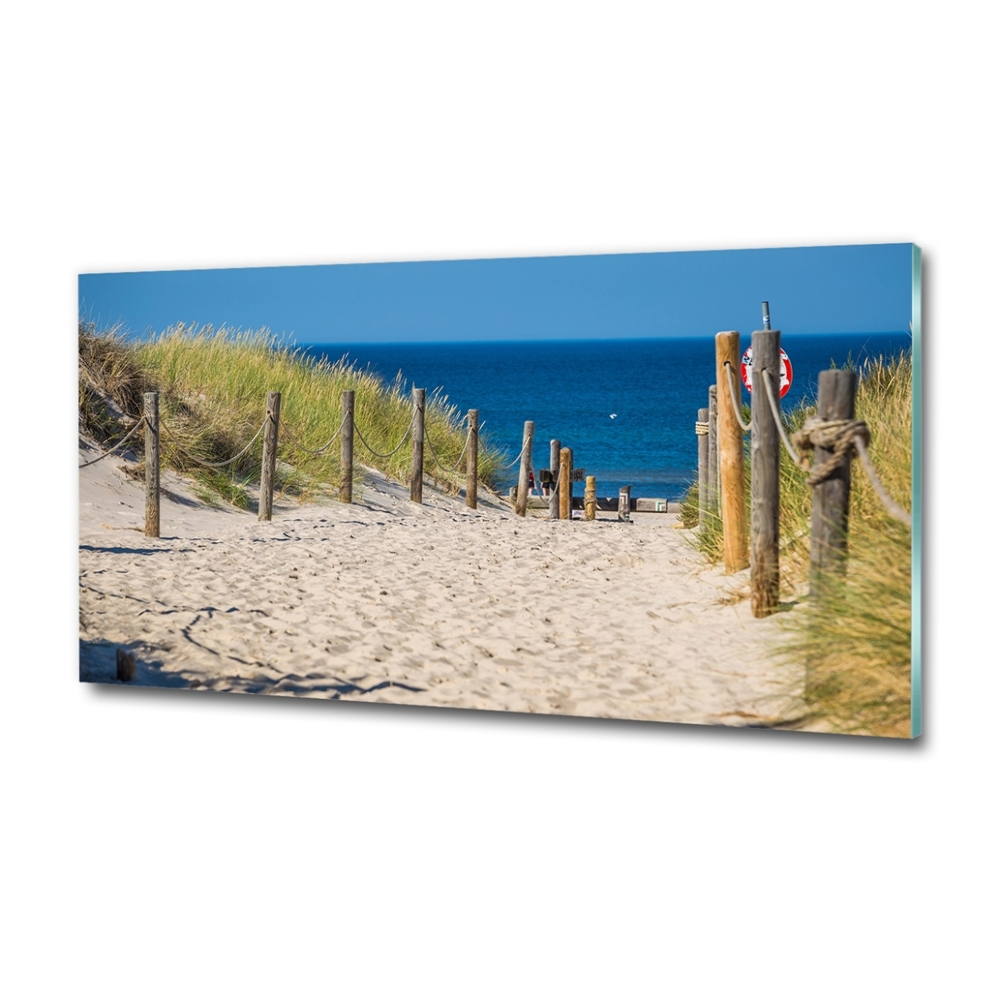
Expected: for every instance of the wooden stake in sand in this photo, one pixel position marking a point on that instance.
(701, 430)
(417, 466)
(831, 500)
(554, 448)
(151, 411)
(269, 459)
(764, 456)
(124, 665)
(713, 449)
(565, 466)
(590, 499)
(472, 462)
(732, 486)
(521, 508)
(625, 503)
(347, 446)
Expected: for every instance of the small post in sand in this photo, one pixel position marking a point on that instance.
(831, 500)
(417, 466)
(269, 459)
(701, 429)
(347, 446)
(713, 449)
(625, 503)
(151, 413)
(569, 488)
(554, 448)
(590, 499)
(472, 462)
(521, 508)
(732, 485)
(764, 458)
(565, 465)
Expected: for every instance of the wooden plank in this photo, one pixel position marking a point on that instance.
(417, 462)
(520, 508)
(269, 458)
(151, 411)
(831, 500)
(472, 462)
(732, 486)
(347, 446)
(764, 456)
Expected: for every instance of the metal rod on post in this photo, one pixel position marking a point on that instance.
(151, 412)
(521, 508)
(713, 449)
(702, 432)
(764, 489)
(554, 448)
(732, 485)
(831, 499)
(472, 462)
(417, 466)
(269, 458)
(765, 309)
(347, 446)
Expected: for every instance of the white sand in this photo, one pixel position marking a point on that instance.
(384, 600)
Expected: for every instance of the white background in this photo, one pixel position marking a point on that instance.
(168, 844)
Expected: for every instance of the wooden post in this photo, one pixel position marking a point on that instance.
(625, 503)
(151, 411)
(124, 665)
(702, 433)
(565, 512)
(554, 466)
(764, 457)
(269, 459)
(521, 508)
(713, 449)
(569, 488)
(417, 466)
(831, 499)
(732, 486)
(347, 446)
(590, 499)
(472, 462)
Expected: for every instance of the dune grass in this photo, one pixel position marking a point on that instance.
(855, 642)
(213, 386)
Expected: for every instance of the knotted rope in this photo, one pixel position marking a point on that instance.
(701, 427)
(836, 436)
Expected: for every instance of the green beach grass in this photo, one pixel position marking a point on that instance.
(855, 644)
(213, 385)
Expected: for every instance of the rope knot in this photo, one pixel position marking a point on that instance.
(832, 435)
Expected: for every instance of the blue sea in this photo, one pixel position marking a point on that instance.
(626, 407)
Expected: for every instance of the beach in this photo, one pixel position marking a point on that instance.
(385, 600)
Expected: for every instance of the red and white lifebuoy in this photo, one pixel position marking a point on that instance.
(786, 371)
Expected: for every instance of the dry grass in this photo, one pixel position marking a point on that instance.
(213, 385)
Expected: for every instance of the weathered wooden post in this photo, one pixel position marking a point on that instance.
(151, 412)
(269, 458)
(521, 508)
(831, 498)
(417, 465)
(554, 467)
(701, 429)
(764, 457)
(569, 488)
(565, 511)
(625, 503)
(124, 665)
(732, 486)
(472, 462)
(713, 449)
(347, 446)
(590, 499)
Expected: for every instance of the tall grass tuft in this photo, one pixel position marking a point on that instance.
(213, 385)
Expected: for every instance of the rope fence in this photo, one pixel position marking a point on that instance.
(141, 422)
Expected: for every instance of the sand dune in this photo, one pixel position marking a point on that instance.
(384, 600)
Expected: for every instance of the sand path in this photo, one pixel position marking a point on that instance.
(388, 601)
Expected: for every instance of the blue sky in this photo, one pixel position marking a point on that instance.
(847, 289)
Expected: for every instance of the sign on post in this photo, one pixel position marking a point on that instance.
(786, 371)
